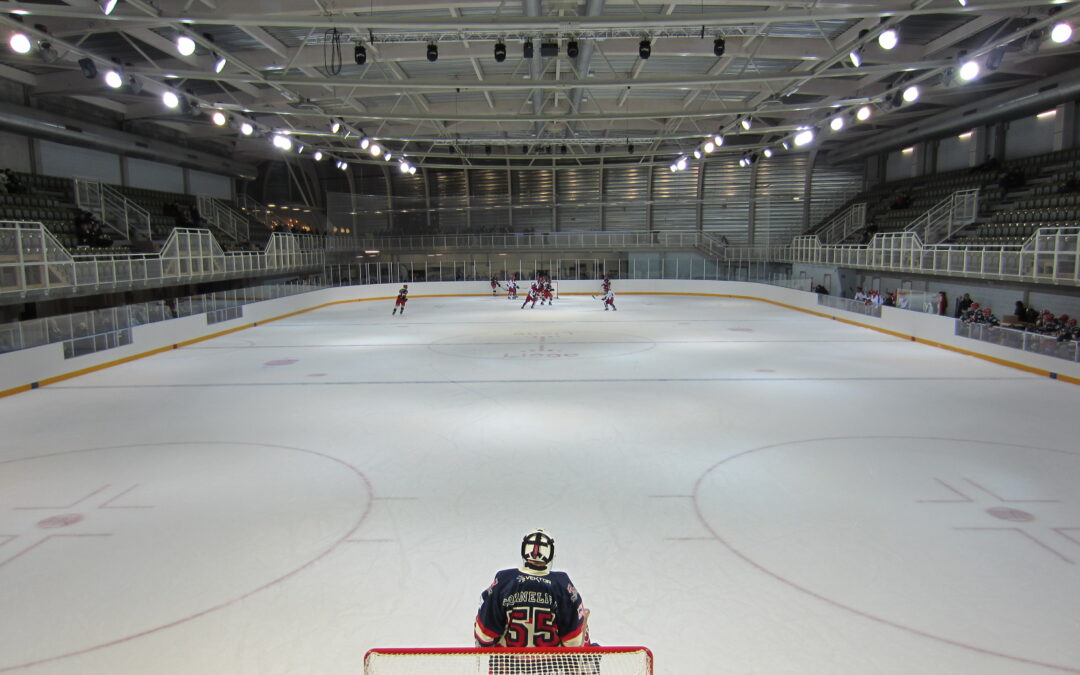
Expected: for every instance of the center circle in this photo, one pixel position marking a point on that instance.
(885, 527)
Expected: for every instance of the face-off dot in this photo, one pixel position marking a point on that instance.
(281, 362)
(1011, 515)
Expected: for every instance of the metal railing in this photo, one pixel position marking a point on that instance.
(1049, 256)
(260, 212)
(947, 217)
(851, 220)
(221, 217)
(116, 211)
(33, 262)
(1036, 343)
(541, 241)
(93, 331)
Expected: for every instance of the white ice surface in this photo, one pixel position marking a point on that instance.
(740, 487)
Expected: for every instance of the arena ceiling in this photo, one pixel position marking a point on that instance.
(650, 81)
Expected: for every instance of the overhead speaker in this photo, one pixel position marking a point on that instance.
(572, 49)
(500, 52)
(549, 49)
(88, 68)
(527, 49)
(718, 46)
(360, 54)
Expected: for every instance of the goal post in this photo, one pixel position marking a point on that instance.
(510, 661)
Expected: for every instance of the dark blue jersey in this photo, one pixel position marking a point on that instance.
(522, 609)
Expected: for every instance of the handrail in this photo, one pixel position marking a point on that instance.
(32, 261)
(851, 220)
(947, 217)
(116, 211)
(221, 217)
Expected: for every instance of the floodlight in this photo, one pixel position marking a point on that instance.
(318, 155)
(114, 79)
(911, 94)
(107, 6)
(170, 99)
(889, 39)
(837, 123)
(969, 71)
(20, 43)
(803, 137)
(219, 118)
(185, 45)
(219, 65)
(246, 128)
(1061, 32)
(500, 52)
(863, 113)
(282, 142)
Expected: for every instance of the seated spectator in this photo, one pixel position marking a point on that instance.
(821, 290)
(1070, 331)
(986, 317)
(1046, 322)
(859, 294)
(969, 315)
(14, 183)
(889, 300)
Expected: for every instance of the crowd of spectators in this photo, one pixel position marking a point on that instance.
(873, 297)
(1026, 318)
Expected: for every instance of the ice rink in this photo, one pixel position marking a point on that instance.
(741, 487)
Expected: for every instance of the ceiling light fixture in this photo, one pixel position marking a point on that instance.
(718, 47)
(219, 118)
(246, 128)
(432, 52)
(282, 142)
(837, 123)
(969, 71)
(804, 137)
(219, 65)
(170, 100)
(1061, 32)
(318, 155)
(500, 51)
(911, 94)
(863, 113)
(114, 79)
(107, 6)
(360, 54)
(20, 43)
(855, 57)
(185, 46)
(644, 49)
(888, 39)
(746, 123)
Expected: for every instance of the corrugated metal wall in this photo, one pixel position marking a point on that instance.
(578, 199)
(617, 196)
(726, 199)
(778, 199)
(831, 186)
(626, 197)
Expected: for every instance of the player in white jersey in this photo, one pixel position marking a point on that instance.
(609, 299)
(511, 288)
(531, 297)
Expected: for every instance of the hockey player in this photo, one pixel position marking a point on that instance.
(546, 294)
(533, 605)
(511, 288)
(531, 297)
(494, 284)
(609, 300)
(605, 285)
(402, 298)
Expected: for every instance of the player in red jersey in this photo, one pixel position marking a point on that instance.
(402, 298)
(546, 295)
(494, 284)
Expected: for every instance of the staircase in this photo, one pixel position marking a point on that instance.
(219, 217)
(851, 220)
(114, 210)
(947, 217)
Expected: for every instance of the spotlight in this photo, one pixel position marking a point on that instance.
(282, 142)
(803, 137)
(572, 49)
(219, 118)
(969, 71)
(718, 47)
(170, 100)
(246, 128)
(1061, 32)
(527, 49)
(388, 156)
(114, 79)
(89, 70)
(889, 39)
(318, 155)
(107, 6)
(855, 57)
(375, 150)
(718, 139)
(360, 54)
(863, 113)
(837, 123)
(745, 123)
(767, 152)
(785, 145)
(219, 65)
(433, 52)
(344, 166)
(963, 3)
(709, 147)
(403, 167)
(644, 49)
(335, 126)
(500, 52)
(20, 43)
(185, 45)
(911, 94)
(681, 164)
(364, 143)
(412, 170)
(697, 153)
(673, 168)
(742, 162)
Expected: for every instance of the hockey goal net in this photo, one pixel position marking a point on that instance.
(507, 661)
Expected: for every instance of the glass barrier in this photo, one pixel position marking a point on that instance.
(848, 305)
(89, 332)
(1036, 343)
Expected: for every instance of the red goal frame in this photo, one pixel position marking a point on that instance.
(530, 651)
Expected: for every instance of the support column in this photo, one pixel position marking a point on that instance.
(700, 216)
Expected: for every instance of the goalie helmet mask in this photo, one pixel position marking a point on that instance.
(538, 550)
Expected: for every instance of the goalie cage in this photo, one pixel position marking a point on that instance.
(510, 661)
